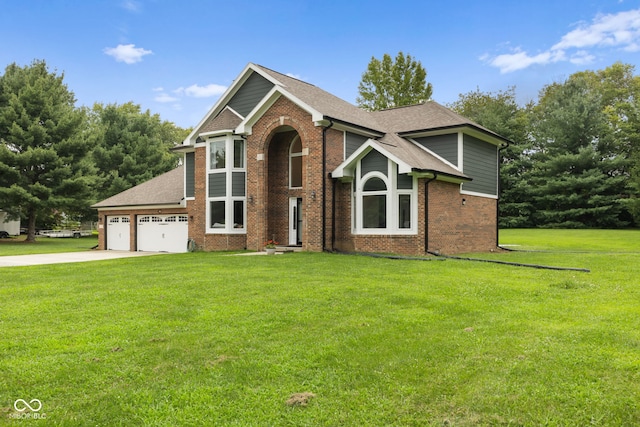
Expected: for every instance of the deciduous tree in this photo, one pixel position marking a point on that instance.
(130, 146)
(388, 83)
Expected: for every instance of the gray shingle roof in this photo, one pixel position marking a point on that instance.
(165, 189)
(223, 121)
(391, 123)
(417, 157)
(324, 102)
(423, 117)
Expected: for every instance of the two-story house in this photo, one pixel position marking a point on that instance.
(279, 158)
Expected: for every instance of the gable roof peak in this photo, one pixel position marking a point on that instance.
(275, 75)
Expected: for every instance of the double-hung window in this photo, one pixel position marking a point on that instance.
(226, 185)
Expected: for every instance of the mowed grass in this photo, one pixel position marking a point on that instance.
(213, 339)
(45, 245)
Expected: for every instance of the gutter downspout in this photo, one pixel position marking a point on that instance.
(426, 212)
(498, 200)
(333, 215)
(324, 185)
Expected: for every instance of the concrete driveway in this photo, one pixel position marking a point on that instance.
(39, 259)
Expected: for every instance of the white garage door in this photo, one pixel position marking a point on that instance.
(163, 233)
(118, 233)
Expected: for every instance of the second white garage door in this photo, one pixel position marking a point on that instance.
(163, 233)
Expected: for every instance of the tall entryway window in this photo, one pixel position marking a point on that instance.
(295, 163)
(295, 221)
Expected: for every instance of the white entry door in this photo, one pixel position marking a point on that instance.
(295, 221)
(163, 233)
(118, 231)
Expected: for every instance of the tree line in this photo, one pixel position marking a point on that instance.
(575, 157)
(575, 160)
(57, 159)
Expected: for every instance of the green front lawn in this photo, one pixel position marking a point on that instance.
(46, 245)
(212, 339)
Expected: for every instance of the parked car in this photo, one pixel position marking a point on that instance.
(4, 235)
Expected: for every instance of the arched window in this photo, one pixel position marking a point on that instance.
(374, 203)
(384, 200)
(295, 163)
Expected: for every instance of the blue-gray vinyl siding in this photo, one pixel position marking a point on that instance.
(405, 182)
(237, 184)
(190, 175)
(218, 184)
(445, 146)
(481, 164)
(352, 141)
(373, 161)
(250, 94)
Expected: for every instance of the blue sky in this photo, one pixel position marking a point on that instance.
(175, 58)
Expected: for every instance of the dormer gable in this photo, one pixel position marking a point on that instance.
(225, 122)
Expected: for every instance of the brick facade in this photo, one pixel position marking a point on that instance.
(268, 176)
(454, 227)
(455, 222)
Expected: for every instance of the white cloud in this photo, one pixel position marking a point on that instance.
(197, 91)
(519, 60)
(127, 53)
(193, 91)
(131, 5)
(582, 57)
(165, 98)
(620, 30)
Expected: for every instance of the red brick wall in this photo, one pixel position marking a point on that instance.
(197, 207)
(404, 244)
(456, 228)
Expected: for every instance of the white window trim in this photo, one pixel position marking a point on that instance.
(393, 202)
(228, 199)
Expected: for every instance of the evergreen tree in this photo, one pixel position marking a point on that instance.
(43, 156)
(571, 181)
(131, 146)
(389, 83)
(619, 144)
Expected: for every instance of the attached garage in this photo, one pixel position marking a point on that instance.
(118, 232)
(158, 212)
(162, 233)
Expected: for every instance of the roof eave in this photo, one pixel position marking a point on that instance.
(442, 176)
(351, 127)
(494, 137)
(165, 205)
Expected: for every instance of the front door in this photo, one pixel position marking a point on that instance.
(295, 221)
